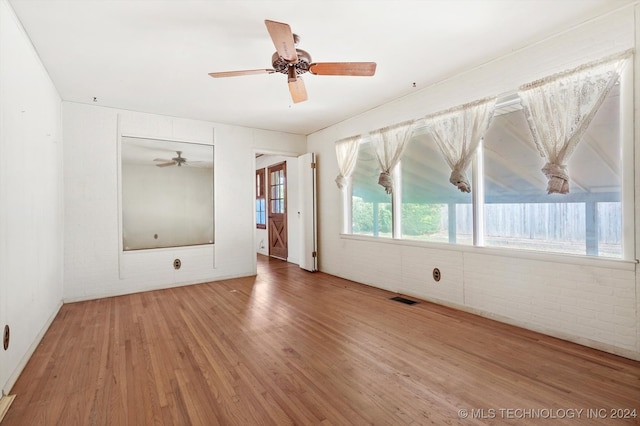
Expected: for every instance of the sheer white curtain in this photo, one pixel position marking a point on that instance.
(347, 155)
(559, 109)
(458, 132)
(389, 144)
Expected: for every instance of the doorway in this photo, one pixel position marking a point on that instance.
(295, 202)
(277, 211)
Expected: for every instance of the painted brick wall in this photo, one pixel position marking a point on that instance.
(417, 274)
(584, 301)
(589, 301)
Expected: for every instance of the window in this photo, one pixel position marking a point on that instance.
(509, 206)
(520, 214)
(371, 205)
(277, 185)
(261, 217)
(432, 209)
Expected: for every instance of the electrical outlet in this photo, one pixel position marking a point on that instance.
(436, 274)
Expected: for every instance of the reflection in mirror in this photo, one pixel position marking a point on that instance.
(167, 194)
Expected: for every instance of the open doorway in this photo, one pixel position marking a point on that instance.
(285, 204)
(277, 205)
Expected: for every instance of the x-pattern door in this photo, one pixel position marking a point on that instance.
(278, 211)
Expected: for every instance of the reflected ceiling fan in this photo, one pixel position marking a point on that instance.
(290, 60)
(175, 161)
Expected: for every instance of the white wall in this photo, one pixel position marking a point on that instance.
(590, 301)
(94, 265)
(31, 210)
(294, 226)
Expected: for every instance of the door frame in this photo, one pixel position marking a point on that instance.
(267, 152)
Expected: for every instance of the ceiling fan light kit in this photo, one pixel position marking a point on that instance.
(293, 62)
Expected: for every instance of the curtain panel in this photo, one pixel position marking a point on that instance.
(559, 109)
(389, 144)
(457, 132)
(347, 156)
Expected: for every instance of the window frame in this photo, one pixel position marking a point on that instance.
(261, 197)
(626, 123)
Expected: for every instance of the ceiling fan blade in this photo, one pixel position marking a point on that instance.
(298, 90)
(343, 68)
(170, 163)
(238, 73)
(282, 39)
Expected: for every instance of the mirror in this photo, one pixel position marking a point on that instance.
(167, 193)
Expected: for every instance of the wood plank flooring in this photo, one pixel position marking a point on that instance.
(289, 347)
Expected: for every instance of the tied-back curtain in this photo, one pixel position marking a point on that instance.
(559, 109)
(389, 144)
(347, 155)
(458, 132)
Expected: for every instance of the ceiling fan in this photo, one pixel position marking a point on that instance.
(290, 60)
(175, 161)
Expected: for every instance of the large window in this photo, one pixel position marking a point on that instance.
(508, 206)
(519, 213)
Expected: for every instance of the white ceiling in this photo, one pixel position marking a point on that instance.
(155, 55)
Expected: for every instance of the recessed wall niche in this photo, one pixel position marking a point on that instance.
(167, 193)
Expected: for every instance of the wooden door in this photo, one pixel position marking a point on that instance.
(278, 211)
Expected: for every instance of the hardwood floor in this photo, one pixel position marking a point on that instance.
(292, 347)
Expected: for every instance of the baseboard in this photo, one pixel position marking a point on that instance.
(125, 292)
(32, 348)
(5, 403)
